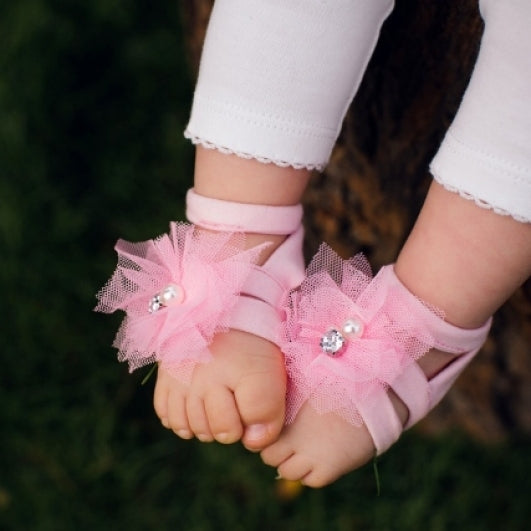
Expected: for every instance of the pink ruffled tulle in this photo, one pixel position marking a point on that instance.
(394, 336)
(209, 270)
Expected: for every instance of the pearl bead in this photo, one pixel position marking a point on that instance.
(353, 328)
(171, 294)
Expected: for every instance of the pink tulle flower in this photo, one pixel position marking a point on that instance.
(347, 335)
(177, 292)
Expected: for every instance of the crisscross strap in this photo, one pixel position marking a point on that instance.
(257, 310)
(217, 214)
(411, 386)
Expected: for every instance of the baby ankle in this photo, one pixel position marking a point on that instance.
(274, 241)
(435, 361)
(399, 406)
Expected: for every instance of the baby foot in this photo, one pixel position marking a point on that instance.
(352, 344)
(203, 302)
(316, 449)
(239, 394)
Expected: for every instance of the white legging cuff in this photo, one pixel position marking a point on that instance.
(276, 77)
(486, 154)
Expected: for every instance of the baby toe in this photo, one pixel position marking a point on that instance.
(295, 468)
(293, 464)
(160, 405)
(262, 408)
(223, 416)
(197, 419)
(276, 454)
(168, 400)
(177, 418)
(318, 478)
(260, 398)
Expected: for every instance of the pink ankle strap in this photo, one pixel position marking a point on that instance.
(257, 310)
(412, 387)
(447, 337)
(420, 395)
(220, 215)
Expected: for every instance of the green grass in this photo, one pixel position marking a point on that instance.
(93, 100)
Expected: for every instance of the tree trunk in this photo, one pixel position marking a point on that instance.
(371, 192)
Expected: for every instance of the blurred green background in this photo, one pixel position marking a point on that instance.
(94, 97)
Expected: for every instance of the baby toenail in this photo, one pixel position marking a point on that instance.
(184, 434)
(255, 432)
(203, 438)
(222, 437)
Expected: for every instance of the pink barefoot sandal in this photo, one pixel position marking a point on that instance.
(182, 288)
(348, 338)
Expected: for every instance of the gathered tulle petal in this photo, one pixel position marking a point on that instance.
(393, 335)
(207, 269)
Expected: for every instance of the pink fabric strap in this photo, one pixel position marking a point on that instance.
(284, 270)
(257, 310)
(381, 420)
(217, 214)
(411, 386)
(447, 337)
(256, 317)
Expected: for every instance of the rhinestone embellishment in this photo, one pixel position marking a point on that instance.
(332, 342)
(171, 294)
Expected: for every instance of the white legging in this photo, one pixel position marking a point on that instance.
(277, 77)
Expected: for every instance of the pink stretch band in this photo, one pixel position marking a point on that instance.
(380, 417)
(448, 337)
(412, 387)
(217, 214)
(266, 286)
(257, 311)
(256, 317)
